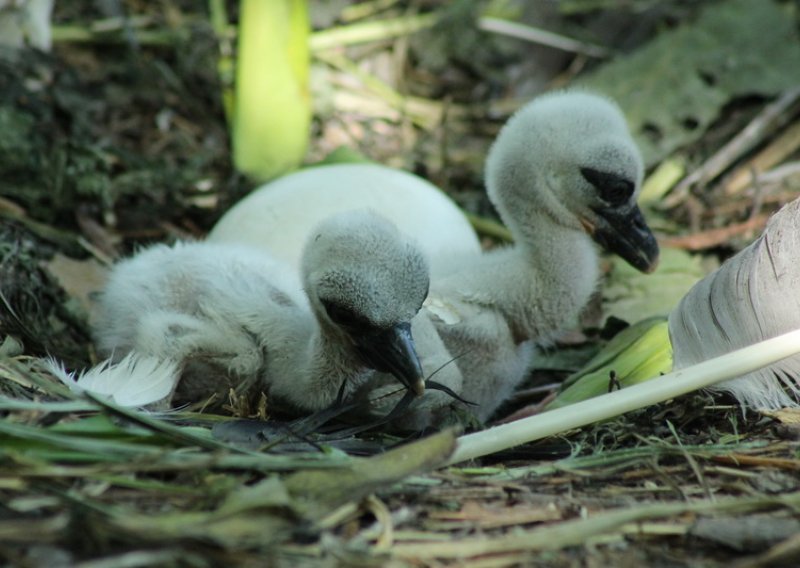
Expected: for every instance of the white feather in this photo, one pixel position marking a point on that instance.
(753, 296)
(133, 382)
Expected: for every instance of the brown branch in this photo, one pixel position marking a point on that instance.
(715, 237)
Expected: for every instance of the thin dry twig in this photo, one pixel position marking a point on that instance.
(715, 237)
(750, 173)
(773, 116)
(542, 37)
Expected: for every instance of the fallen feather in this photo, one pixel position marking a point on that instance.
(133, 382)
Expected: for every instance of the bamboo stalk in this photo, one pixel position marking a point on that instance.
(607, 406)
(272, 104)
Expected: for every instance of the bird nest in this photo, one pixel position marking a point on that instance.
(118, 138)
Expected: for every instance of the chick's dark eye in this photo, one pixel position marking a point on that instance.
(343, 316)
(613, 189)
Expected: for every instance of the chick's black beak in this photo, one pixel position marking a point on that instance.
(623, 231)
(392, 351)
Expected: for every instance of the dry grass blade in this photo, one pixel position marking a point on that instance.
(577, 532)
(544, 37)
(178, 434)
(752, 172)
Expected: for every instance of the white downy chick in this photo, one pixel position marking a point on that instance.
(233, 317)
(564, 174)
(278, 216)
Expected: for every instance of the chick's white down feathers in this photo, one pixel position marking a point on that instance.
(278, 216)
(233, 317)
(485, 310)
(510, 299)
(488, 310)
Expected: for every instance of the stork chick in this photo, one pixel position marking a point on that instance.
(564, 175)
(232, 316)
(278, 216)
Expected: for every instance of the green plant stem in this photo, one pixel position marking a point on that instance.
(365, 9)
(341, 36)
(84, 34)
(370, 31)
(226, 66)
(607, 406)
(490, 228)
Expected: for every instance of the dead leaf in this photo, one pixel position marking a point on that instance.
(79, 278)
(745, 534)
(784, 415)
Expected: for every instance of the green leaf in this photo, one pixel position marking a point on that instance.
(343, 155)
(673, 88)
(317, 493)
(270, 493)
(631, 296)
(639, 353)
